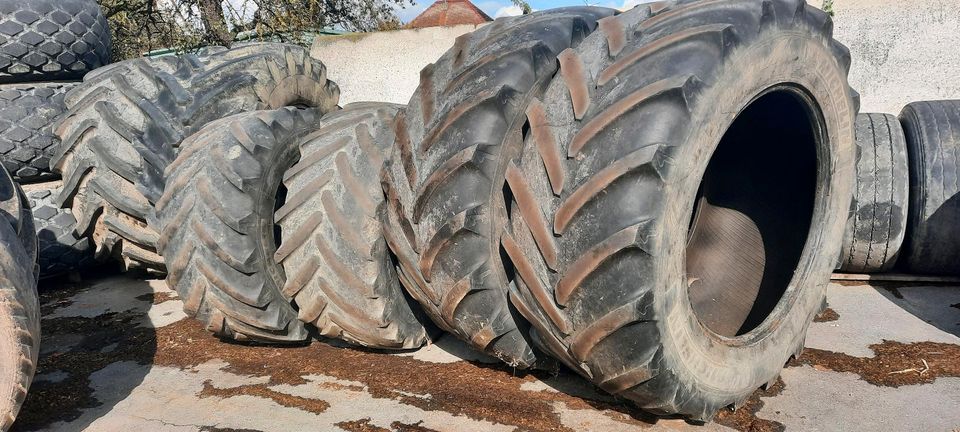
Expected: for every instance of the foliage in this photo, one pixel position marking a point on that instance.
(524, 6)
(828, 6)
(140, 26)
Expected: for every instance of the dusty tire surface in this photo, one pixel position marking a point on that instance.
(46, 40)
(19, 304)
(878, 219)
(27, 140)
(444, 185)
(630, 220)
(217, 231)
(59, 249)
(339, 271)
(932, 130)
(125, 123)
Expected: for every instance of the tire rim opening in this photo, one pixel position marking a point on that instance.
(753, 213)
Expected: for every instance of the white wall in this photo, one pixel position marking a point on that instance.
(903, 50)
(383, 66)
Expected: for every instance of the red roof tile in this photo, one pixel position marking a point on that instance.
(447, 13)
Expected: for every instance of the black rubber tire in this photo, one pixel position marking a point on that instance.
(125, 122)
(608, 179)
(446, 206)
(339, 272)
(932, 130)
(27, 139)
(60, 250)
(217, 231)
(878, 217)
(19, 304)
(50, 40)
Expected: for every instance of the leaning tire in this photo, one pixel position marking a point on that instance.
(217, 231)
(59, 250)
(630, 220)
(19, 306)
(878, 218)
(339, 272)
(933, 226)
(47, 40)
(447, 206)
(27, 139)
(124, 125)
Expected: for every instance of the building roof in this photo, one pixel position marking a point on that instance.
(447, 13)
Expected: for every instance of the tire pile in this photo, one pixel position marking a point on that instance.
(654, 198)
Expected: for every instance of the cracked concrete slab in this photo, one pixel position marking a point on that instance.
(132, 390)
(870, 315)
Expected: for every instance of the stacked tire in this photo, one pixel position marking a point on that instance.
(562, 186)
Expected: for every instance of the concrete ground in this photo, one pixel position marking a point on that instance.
(118, 355)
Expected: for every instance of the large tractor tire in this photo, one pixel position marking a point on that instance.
(217, 231)
(59, 250)
(19, 305)
(27, 140)
(446, 205)
(340, 275)
(933, 225)
(47, 40)
(681, 198)
(125, 123)
(878, 217)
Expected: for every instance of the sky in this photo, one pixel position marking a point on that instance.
(498, 8)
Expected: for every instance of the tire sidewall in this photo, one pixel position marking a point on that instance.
(698, 357)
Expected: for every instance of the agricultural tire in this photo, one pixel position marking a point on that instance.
(681, 198)
(19, 305)
(446, 205)
(878, 217)
(27, 140)
(339, 271)
(60, 250)
(50, 40)
(932, 129)
(124, 126)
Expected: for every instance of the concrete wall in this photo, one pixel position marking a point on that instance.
(903, 50)
(383, 66)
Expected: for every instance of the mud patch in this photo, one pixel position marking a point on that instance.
(50, 402)
(826, 315)
(259, 390)
(894, 364)
(157, 297)
(745, 418)
(476, 390)
(362, 425)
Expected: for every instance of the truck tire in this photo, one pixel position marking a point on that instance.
(59, 250)
(19, 305)
(27, 139)
(932, 130)
(630, 223)
(50, 40)
(217, 232)
(339, 272)
(878, 218)
(446, 205)
(123, 127)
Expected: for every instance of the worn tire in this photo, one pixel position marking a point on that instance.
(932, 131)
(124, 125)
(606, 197)
(878, 217)
(217, 232)
(60, 250)
(339, 272)
(19, 305)
(47, 40)
(27, 139)
(446, 206)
